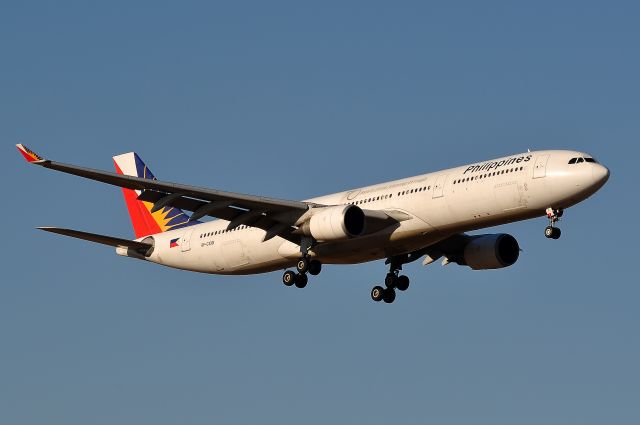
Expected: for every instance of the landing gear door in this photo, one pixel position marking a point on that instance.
(540, 168)
(438, 187)
(186, 240)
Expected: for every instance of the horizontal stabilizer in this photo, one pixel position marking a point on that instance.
(105, 240)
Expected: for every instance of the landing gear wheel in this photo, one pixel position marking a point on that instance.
(403, 283)
(288, 278)
(301, 280)
(552, 232)
(389, 295)
(315, 267)
(377, 293)
(303, 265)
(548, 232)
(391, 280)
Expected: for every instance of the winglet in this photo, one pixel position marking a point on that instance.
(28, 154)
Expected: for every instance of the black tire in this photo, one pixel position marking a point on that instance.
(301, 280)
(302, 265)
(389, 295)
(288, 278)
(391, 280)
(548, 232)
(403, 283)
(377, 293)
(315, 267)
(556, 233)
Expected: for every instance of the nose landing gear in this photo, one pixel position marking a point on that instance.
(551, 231)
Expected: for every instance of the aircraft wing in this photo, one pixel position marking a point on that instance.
(276, 216)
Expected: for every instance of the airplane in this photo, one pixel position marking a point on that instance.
(426, 216)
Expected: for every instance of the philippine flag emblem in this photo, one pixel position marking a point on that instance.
(173, 243)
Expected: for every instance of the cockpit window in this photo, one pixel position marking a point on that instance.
(573, 160)
(590, 160)
(580, 160)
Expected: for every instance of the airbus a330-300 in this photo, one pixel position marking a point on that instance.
(423, 217)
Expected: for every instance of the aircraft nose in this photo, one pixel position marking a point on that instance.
(600, 174)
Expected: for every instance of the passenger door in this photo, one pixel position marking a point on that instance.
(540, 168)
(186, 240)
(438, 187)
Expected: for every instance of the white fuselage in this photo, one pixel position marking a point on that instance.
(434, 206)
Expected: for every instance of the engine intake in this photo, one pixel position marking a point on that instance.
(491, 252)
(335, 223)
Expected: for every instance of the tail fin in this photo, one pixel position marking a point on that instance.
(144, 221)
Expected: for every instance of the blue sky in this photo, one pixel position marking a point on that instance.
(293, 100)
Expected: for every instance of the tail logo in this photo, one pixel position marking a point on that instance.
(174, 243)
(28, 154)
(144, 221)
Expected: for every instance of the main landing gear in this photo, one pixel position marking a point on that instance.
(551, 231)
(392, 282)
(303, 266)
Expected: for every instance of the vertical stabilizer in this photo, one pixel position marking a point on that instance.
(144, 221)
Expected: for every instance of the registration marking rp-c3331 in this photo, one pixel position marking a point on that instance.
(422, 217)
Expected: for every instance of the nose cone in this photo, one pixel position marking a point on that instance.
(600, 175)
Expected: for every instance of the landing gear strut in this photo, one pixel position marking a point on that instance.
(392, 282)
(551, 231)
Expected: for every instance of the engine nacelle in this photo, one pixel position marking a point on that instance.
(335, 223)
(491, 252)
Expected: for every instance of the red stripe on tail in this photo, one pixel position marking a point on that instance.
(143, 223)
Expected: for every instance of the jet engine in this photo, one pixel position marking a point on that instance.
(491, 252)
(335, 223)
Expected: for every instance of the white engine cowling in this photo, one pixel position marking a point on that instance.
(491, 252)
(335, 223)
